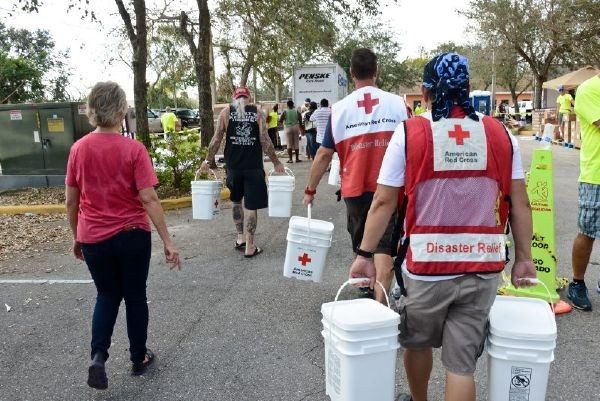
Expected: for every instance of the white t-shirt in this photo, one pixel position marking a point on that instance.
(392, 175)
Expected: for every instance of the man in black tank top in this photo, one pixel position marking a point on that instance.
(246, 138)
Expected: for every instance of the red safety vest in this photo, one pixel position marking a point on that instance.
(458, 180)
(362, 125)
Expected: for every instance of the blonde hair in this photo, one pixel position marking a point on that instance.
(106, 105)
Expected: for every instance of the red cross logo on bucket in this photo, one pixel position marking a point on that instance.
(217, 203)
(304, 259)
(459, 135)
(368, 103)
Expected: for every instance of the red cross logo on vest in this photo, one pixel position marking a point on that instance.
(304, 259)
(368, 103)
(458, 134)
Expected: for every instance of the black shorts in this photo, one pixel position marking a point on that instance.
(357, 217)
(249, 185)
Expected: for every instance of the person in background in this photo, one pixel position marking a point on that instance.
(290, 118)
(450, 284)
(564, 102)
(310, 130)
(168, 121)
(360, 128)
(305, 105)
(419, 109)
(587, 108)
(246, 140)
(321, 117)
(272, 124)
(109, 196)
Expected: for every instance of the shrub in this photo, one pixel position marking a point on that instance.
(177, 157)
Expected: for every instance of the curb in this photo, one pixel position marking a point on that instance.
(167, 204)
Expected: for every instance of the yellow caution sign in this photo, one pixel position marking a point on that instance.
(543, 251)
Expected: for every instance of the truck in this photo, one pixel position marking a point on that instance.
(319, 81)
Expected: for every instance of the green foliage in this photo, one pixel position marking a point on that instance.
(542, 33)
(393, 72)
(168, 57)
(30, 67)
(177, 157)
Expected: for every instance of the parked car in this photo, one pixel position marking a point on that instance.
(188, 117)
(154, 124)
(525, 106)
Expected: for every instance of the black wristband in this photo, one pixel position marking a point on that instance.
(364, 254)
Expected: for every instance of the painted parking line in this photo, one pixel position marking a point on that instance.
(46, 281)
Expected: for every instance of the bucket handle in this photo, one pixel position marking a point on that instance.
(359, 280)
(351, 281)
(287, 170)
(309, 215)
(211, 170)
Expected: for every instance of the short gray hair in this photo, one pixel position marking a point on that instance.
(106, 105)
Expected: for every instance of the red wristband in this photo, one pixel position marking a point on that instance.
(307, 191)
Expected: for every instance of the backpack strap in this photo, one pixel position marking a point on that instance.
(400, 249)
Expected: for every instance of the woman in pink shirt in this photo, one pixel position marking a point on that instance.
(109, 195)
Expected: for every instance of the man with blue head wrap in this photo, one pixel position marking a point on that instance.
(457, 173)
(446, 77)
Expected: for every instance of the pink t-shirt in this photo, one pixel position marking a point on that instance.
(109, 170)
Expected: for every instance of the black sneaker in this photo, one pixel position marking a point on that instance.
(97, 373)
(578, 294)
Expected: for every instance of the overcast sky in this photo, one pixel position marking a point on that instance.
(416, 24)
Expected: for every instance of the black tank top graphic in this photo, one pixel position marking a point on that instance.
(243, 150)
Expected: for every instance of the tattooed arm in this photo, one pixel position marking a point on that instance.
(216, 140)
(267, 145)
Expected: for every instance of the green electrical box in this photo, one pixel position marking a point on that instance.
(35, 140)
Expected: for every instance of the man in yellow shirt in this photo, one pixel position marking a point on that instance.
(272, 123)
(587, 109)
(168, 120)
(564, 102)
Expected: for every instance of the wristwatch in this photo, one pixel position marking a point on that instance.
(311, 192)
(364, 254)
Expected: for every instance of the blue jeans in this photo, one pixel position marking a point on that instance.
(119, 266)
(311, 142)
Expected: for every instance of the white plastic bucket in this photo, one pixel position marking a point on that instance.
(548, 134)
(282, 138)
(361, 345)
(281, 191)
(309, 241)
(334, 173)
(206, 198)
(520, 347)
(302, 144)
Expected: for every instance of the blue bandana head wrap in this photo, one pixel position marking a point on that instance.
(447, 78)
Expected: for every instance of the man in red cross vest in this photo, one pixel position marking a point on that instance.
(461, 174)
(359, 130)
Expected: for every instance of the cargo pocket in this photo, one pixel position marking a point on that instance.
(485, 336)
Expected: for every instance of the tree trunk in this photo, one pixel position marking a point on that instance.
(201, 56)
(539, 80)
(140, 86)
(207, 127)
(139, 43)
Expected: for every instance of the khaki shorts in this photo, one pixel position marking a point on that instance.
(357, 217)
(452, 314)
(292, 135)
